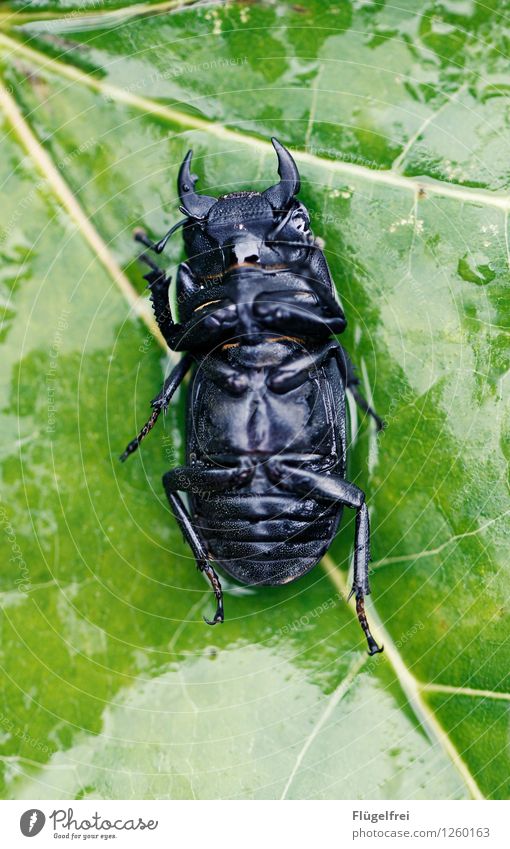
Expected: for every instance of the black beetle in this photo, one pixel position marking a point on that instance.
(266, 422)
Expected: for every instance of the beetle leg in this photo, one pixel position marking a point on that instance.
(158, 283)
(333, 488)
(226, 377)
(296, 370)
(160, 403)
(200, 478)
(304, 319)
(352, 381)
(207, 327)
(197, 546)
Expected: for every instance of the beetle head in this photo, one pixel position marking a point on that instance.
(243, 227)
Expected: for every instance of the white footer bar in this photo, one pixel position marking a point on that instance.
(257, 824)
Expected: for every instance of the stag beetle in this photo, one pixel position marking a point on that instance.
(266, 417)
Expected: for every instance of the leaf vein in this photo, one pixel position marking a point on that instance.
(333, 701)
(412, 690)
(423, 126)
(465, 691)
(66, 198)
(419, 187)
(430, 552)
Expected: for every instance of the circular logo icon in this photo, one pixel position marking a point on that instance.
(32, 822)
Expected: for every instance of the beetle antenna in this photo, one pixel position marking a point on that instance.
(158, 247)
(311, 246)
(281, 225)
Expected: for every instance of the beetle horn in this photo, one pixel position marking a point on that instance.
(280, 195)
(195, 205)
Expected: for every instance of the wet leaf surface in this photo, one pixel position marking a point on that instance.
(112, 686)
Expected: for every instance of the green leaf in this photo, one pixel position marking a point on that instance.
(112, 686)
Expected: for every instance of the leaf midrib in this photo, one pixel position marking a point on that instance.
(61, 190)
(138, 10)
(410, 685)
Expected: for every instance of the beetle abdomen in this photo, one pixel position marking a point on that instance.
(266, 539)
(260, 533)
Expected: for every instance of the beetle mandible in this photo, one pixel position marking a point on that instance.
(266, 416)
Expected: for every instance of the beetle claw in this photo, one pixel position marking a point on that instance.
(373, 646)
(219, 616)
